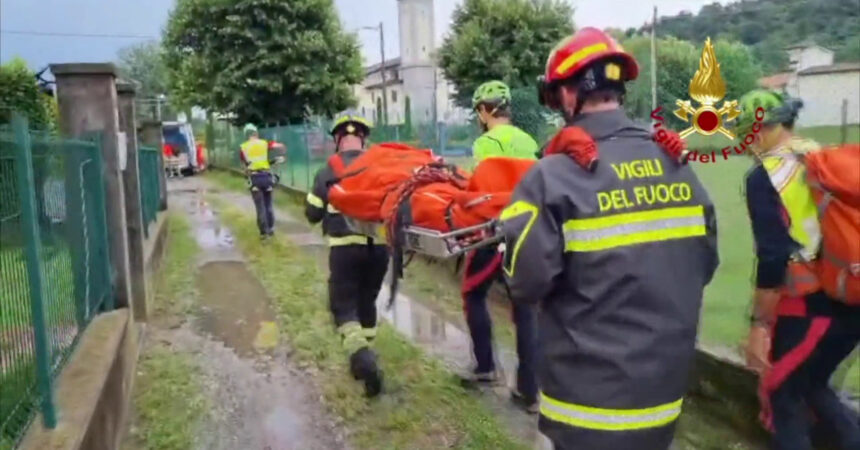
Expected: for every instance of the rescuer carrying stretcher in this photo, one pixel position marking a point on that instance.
(492, 104)
(357, 264)
(616, 246)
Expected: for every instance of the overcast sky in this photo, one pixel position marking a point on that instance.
(144, 19)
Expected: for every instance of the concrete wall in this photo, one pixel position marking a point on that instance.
(94, 388)
(823, 94)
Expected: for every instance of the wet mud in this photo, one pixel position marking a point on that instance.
(260, 399)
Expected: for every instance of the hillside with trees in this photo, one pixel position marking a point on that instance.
(768, 26)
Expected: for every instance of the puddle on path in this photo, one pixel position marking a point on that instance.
(235, 308)
(261, 400)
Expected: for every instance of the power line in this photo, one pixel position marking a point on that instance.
(86, 35)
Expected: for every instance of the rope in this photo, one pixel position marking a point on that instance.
(427, 174)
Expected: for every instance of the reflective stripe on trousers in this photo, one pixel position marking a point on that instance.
(313, 200)
(602, 233)
(354, 239)
(609, 419)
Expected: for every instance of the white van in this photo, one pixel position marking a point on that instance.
(180, 137)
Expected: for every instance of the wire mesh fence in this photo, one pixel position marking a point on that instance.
(310, 144)
(54, 267)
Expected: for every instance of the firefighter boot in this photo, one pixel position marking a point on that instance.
(363, 366)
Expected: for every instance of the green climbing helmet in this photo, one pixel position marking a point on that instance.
(249, 129)
(776, 108)
(353, 123)
(493, 92)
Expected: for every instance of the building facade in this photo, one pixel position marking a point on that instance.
(413, 79)
(829, 91)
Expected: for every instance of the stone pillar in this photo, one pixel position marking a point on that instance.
(151, 136)
(86, 95)
(133, 207)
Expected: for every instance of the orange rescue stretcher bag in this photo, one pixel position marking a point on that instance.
(834, 177)
(360, 188)
(449, 199)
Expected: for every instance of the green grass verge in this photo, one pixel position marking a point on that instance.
(423, 406)
(168, 399)
(174, 282)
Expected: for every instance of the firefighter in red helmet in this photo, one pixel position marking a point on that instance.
(616, 253)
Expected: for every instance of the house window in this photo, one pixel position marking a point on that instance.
(393, 96)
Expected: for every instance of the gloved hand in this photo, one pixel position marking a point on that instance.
(576, 143)
(671, 143)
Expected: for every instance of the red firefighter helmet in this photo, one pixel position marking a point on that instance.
(587, 45)
(589, 54)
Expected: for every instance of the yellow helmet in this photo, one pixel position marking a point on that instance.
(350, 123)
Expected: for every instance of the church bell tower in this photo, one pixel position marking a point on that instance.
(417, 47)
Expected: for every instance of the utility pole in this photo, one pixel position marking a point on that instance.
(654, 60)
(384, 89)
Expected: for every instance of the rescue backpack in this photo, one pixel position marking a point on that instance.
(834, 176)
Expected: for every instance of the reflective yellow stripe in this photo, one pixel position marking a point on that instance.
(517, 209)
(609, 419)
(331, 209)
(579, 55)
(313, 200)
(352, 337)
(602, 233)
(369, 333)
(349, 240)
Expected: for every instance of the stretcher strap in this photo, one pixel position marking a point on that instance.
(428, 174)
(785, 366)
(473, 280)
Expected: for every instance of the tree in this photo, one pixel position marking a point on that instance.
(144, 64)
(528, 114)
(507, 40)
(261, 60)
(771, 25)
(20, 93)
(677, 62)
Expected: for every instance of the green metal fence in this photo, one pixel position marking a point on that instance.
(309, 144)
(148, 166)
(54, 265)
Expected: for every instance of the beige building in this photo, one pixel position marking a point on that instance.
(414, 75)
(828, 90)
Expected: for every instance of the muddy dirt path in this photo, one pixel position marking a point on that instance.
(447, 339)
(424, 325)
(260, 399)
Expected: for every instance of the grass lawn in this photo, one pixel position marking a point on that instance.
(423, 406)
(168, 401)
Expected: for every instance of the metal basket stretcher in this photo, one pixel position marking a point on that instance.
(434, 243)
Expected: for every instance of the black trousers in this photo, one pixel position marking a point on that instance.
(356, 273)
(262, 187)
(481, 326)
(805, 395)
